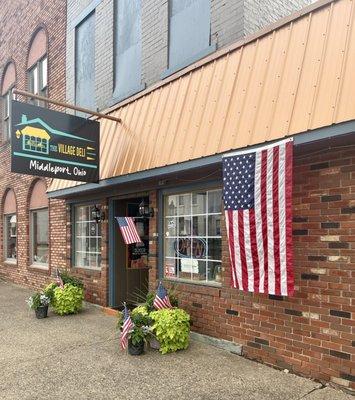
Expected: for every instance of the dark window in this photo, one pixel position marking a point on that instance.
(128, 47)
(10, 237)
(38, 80)
(6, 114)
(87, 240)
(189, 30)
(85, 62)
(39, 236)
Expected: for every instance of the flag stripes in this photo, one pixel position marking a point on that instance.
(260, 229)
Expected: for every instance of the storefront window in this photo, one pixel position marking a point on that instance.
(192, 235)
(39, 236)
(10, 242)
(87, 241)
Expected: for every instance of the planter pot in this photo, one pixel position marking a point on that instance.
(41, 312)
(135, 350)
(154, 343)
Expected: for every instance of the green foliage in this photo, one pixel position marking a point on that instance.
(140, 310)
(149, 301)
(49, 292)
(137, 336)
(172, 328)
(68, 300)
(141, 320)
(37, 300)
(72, 280)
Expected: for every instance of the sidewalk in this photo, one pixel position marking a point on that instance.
(78, 357)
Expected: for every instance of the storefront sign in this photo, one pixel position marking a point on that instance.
(53, 144)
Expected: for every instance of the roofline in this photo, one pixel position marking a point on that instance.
(222, 52)
(307, 137)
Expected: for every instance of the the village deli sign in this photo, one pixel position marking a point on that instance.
(53, 144)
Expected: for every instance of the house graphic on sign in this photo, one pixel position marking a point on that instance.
(33, 138)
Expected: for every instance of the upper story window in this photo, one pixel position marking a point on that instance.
(189, 31)
(128, 46)
(39, 225)
(87, 238)
(10, 227)
(37, 66)
(192, 236)
(85, 62)
(8, 83)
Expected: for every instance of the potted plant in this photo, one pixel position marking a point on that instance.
(66, 295)
(139, 332)
(171, 326)
(150, 336)
(39, 302)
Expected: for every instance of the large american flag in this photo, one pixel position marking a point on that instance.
(128, 230)
(257, 193)
(127, 326)
(161, 300)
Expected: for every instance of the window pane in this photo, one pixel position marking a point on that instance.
(171, 226)
(199, 203)
(199, 248)
(39, 236)
(214, 225)
(183, 247)
(171, 205)
(214, 249)
(85, 63)
(44, 73)
(189, 29)
(184, 204)
(215, 201)
(87, 238)
(10, 242)
(214, 271)
(128, 46)
(170, 246)
(199, 271)
(199, 225)
(184, 226)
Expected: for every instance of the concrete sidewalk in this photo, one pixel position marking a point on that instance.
(78, 357)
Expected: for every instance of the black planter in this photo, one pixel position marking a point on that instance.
(41, 312)
(135, 350)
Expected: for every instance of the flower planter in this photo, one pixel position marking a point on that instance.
(154, 343)
(41, 312)
(135, 350)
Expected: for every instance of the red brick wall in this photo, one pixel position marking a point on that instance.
(19, 20)
(312, 333)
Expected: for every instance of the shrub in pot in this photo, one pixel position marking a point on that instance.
(171, 327)
(66, 300)
(39, 302)
(140, 332)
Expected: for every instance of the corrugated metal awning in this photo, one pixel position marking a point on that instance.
(298, 77)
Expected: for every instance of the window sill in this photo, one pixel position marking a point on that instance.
(10, 262)
(175, 68)
(118, 98)
(216, 285)
(94, 271)
(40, 267)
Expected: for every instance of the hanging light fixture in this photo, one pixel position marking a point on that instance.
(97, 214)
(145, 210)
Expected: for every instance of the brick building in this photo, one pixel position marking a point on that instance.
(32, 58)
(292, 79)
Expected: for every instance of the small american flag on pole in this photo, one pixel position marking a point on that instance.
(59, 279)
(257, 193)
(128, 229)
(161, 300)
(127, 326)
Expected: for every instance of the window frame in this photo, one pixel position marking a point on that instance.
(5, 238)
(34, 263)
(193, 188)
(6, 120)
(42, 89)
(73, 213)
(188, 60)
